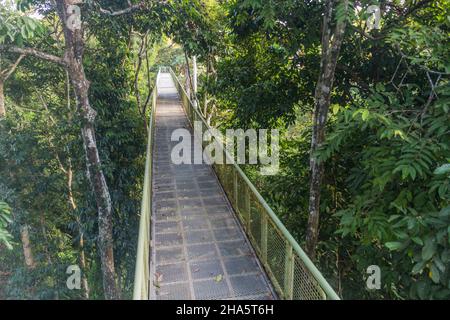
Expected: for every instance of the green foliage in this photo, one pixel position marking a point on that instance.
(259, 79)
(258, 83)
(16, 28)
(5, 220)
(394, 143)
(40, 140)
(196, 25)
(385, 193)
(386, 189)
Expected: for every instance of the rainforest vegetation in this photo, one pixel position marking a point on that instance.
(362, 105)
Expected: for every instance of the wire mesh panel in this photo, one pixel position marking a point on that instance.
(255, 223)
(228, 182)
(220, 171)
(243, 201)
(276, 249)
(305, 286)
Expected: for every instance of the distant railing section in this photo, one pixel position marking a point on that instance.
(142, 270)
(291, 272)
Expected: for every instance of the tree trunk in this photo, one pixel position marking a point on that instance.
(73, 205)
(84, 281)
(27, 252)
(190, 90)
(194, 81)
(98, 182)
(205, 91)
(46, 250)
(2, 100)
(44, 236)
(331, 45)
(187, 84)
(73, 58)
(4, 75)
(194, 75)
(211, 77)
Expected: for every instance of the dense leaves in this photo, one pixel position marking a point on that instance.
(5, 220)
(385, 194)
(385, 197)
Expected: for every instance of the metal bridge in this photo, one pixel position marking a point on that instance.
(205, 231)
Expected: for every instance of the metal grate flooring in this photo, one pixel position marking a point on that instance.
(199, 249)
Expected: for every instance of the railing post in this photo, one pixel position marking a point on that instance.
(235, 183)
(248, 206)
(264, 234)
(289, 273)
(146, 269)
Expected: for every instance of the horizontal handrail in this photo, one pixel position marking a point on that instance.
(292, 273)
(142, 268)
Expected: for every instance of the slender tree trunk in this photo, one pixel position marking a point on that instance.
(73, 206)
(100, 188)
(331, 45)
(210, 115)
(194, 80)
(205, 95)
(44, 235)
(27, 251)
(211, 77)
(2, 100)
(73, 58)
(69, 173)
(84, 281)
(142, 54)
(187, 84)
(4, 75)
(149, 85)
(46, 250)
(137, 66)
(194, 75)
(191, 92)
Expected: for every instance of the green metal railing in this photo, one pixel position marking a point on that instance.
(291, 272)
(142, 270)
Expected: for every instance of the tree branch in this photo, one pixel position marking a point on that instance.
(9, 72)
(426, 69)
(367, 35)
(52, 120)
(35, 53)
(131, 8)
(128, 10)
(402, 16)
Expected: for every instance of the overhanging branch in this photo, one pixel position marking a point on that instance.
(131, 8)
(8, 72)
(33, 52)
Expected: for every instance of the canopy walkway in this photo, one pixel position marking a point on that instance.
(205, 231)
